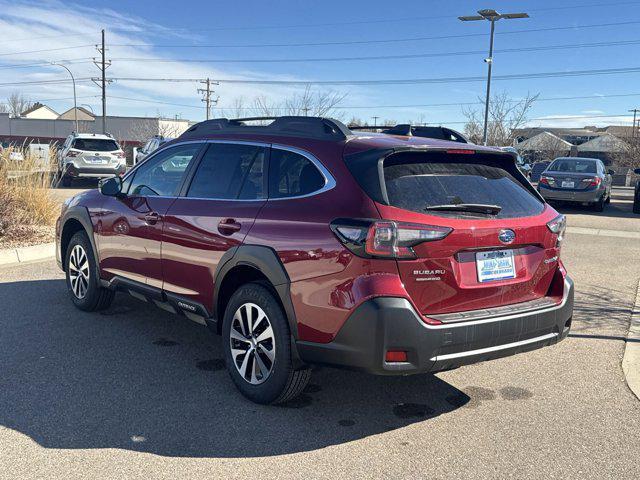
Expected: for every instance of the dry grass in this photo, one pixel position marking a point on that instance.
(27, 209)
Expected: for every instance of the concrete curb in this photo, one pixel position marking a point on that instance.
(631, 359)
(13, 256)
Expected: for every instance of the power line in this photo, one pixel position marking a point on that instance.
(76, 61)
(46, 50)
(66, 35)
(377, 41)
(410, 81)
(379, 57)
(547, 118)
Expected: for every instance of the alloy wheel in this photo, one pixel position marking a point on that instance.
(253, 345)
(79, 271)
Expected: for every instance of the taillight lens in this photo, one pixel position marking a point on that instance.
(558, 226)
(546, 180)
(73, 153)
(594, 182)
(385, 238)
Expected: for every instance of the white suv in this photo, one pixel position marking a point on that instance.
(90, 155)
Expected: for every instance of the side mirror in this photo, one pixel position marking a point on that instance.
(111, 187)
(637, 171)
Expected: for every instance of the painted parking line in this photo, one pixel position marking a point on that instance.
(602, 232)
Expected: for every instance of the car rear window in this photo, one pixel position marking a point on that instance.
(95, 145)
(573, 166)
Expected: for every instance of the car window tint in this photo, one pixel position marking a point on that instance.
(163, 173)
(230, 171)
(292, 175)
(95, 145)
(417, 185)
(573, 166)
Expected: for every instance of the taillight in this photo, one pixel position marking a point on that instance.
(73, 153)
(120, 154)
(558, 226)
(594, 182)
(385, 238)
(546, 180)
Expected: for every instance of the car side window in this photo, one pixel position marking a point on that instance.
(162, 175)
(292, 175)
(230, 171)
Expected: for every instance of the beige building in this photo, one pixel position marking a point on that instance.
(40, 111)
(84, 115)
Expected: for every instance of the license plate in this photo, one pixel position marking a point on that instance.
(566, 184)
(97, 160)
(495, 265)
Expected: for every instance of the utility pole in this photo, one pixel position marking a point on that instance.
(492, 16)
(375, 120)
(102, 81)
(633, 129)
(206, 98)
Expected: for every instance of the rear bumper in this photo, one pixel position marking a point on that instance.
(388, 323)
(582, 196)
(94, 172)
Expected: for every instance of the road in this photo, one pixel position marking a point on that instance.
(136, 392)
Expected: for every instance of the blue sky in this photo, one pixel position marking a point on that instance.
(154, 30)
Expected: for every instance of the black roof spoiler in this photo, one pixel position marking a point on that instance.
(406, 129)
(308, 127)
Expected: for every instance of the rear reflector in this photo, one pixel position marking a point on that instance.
(395, 356)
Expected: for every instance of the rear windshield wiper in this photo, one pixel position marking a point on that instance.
(467, 207)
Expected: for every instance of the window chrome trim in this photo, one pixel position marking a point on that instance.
(329, 181)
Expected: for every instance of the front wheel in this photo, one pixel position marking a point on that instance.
(257, 347)
(82, 280)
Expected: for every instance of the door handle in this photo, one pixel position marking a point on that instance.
(228, 226)
(152, 218)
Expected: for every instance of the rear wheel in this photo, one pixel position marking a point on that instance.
(82, 282)
(599, 205)
(257, 347)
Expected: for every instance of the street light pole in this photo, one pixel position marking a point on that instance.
(492, 16)
(75, 104)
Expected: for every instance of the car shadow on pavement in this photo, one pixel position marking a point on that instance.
(135, 377)
(613, 210)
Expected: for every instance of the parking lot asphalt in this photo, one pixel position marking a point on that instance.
(135, 392)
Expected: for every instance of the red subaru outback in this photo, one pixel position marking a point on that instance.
(302, 242)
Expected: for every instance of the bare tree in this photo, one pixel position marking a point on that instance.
(308, 102)
(4, 108)
(505, 116)
(629, 155)
(18, 103)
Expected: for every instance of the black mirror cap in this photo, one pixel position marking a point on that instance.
(111, 187)
(637, 171)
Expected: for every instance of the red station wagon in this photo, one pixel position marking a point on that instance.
(303, 243)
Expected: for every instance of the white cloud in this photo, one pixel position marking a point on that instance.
(572, 120)
(29, 27)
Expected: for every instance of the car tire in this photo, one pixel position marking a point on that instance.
(636, 205)
(265, 373)
(81, 273)
(599, 205)
(608, 200)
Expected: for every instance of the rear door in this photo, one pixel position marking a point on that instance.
(488, 259)
(131, 226)
(217, 208)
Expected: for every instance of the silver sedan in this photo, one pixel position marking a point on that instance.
(577, 180)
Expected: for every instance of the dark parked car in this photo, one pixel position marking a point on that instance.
(577, 180)
(636, 193)
(303, 243)
(536, 170)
